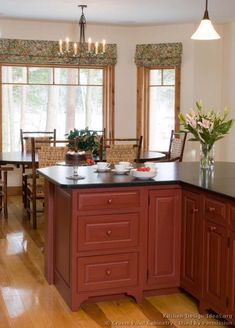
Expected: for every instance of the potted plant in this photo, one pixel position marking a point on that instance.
(86, 140)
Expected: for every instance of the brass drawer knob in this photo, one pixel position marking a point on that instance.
(212, 228)
(110, 201)
(108, 272)
(108, 232)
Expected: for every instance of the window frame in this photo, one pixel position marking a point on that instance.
(107, 86)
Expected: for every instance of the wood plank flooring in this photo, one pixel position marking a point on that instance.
(27, 301)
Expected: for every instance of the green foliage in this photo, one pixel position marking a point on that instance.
(206, 127)
(87, 140)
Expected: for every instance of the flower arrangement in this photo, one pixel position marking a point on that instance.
(207, 128)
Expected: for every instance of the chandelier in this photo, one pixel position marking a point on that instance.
(205, 30)
(81, 48)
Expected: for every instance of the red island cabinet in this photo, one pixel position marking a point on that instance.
(112, 241)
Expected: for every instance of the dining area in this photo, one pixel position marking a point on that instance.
(42, 149)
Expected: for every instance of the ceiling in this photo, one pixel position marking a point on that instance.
(120, 12)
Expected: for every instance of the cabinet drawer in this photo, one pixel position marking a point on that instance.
(108, 200)
(215, 210)
(108, 271)
(108, 231)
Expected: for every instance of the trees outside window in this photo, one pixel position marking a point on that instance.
(44, 98)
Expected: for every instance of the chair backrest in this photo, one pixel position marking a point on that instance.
(121, 149)
(51, 155)
(25, 138)
(177, 144)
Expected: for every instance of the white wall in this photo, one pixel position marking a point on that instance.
(207, 67)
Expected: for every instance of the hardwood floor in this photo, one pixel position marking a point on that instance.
(26, 299)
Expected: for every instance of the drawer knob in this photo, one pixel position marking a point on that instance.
(195, 210)
(108, 272)
(108, 232)
(110, 201)
(212, 228)
(211, 209)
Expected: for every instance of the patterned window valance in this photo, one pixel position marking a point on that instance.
(162, 54)
(47, 52)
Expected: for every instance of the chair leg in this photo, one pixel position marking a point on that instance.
(34, 209)
(24, 190)
(5, 197)
(28, 200)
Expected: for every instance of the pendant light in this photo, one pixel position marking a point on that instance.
(205, 30)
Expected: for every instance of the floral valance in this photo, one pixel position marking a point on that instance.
(47, 52)
(162, 54)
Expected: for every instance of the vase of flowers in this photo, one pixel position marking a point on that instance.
(207, 128)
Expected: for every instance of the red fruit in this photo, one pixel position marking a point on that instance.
(143, 169)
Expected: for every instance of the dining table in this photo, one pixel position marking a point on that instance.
(25, 158)
(147, 156)
(16, 158)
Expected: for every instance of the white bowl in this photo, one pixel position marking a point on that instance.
(143, 175)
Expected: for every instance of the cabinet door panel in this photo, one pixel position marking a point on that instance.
(231, 284)
(164, 239)
(215, 265)
(191, 255)
(215, 210)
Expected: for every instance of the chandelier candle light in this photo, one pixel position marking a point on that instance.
(81, 48)
(207, 128)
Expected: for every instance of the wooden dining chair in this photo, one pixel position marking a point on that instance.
(3, 189)
(47, 156)
(25, 137)
(114, 150)
(176, 147)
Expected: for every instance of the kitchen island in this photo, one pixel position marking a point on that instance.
(109, 235)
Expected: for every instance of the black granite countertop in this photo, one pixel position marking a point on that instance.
(220, 180)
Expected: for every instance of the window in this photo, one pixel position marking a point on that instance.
(158, 105)
(162, 116)
(46, 97)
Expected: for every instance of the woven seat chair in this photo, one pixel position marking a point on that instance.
(117, 153)
(25, 138)
(3, 189)
(121, 149)
(47, 156)
(176, 147)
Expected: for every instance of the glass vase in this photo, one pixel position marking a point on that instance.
(207, 156)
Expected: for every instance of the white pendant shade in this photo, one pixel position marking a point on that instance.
(205, 31)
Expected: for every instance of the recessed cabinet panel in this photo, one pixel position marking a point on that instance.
(232, 217)
(108, 231)
(164, 238)
(191, 254)
(215, 210)
(215, 265)
(231, 282)
(108, 200)
(108, 271)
